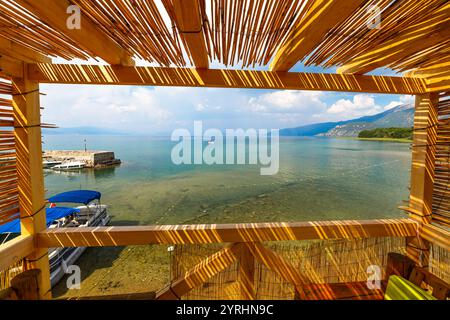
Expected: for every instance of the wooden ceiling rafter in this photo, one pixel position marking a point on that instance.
(308, 32)
(241, 33)
(19, 52)
(54, 13)
(353, 36)
(189, 21)
(423, 36)
(139, 27)
(22, 27)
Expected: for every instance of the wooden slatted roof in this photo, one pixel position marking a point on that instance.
(270, 34)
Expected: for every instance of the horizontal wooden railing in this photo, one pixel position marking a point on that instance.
(245, 244)
(15, 250)
(18, 248)
(223, 233)
(437, 235)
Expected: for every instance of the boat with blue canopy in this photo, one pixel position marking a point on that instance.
(76, 196)
(87, 212)
(91, 213)
(52, 214)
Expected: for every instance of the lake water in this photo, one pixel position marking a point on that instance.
(318, 178)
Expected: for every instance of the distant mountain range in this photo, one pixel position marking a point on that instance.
(401, 117)
(83, 131)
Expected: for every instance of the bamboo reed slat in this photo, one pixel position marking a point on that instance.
(441, 191)
(247, 33)
(335, 261)
(9, 194)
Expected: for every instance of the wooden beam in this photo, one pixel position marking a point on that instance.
(191, 77)
(310, 30)
(439, 84)
(434, 70)
(15, 250)
(391, 53)
(89, 36)
(10, 67)
(422, 170)
(27, 135)
(190, 25)
(412, 40)
(246, 272)
(19, 52)
(437, 76)
(200, 273)
(423, 156)
(436, 234)
(218, 233)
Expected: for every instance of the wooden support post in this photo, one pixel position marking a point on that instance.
(422, 171)
(246, 275)
(26, 285)
(27, 135)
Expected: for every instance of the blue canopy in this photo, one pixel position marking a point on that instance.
(52, 214)
(76, 196)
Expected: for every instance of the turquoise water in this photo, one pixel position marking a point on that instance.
(318, 178)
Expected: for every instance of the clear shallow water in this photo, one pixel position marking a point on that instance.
(318, 178)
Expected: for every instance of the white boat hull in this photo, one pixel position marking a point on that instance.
(61, 258)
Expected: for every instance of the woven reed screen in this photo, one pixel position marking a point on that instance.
(441, 191)
(439, 262)
(9, 194)
(8, 274)
(321, 261)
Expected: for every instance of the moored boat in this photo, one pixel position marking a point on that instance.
(50, 164)
(70, 165)
(90, 213)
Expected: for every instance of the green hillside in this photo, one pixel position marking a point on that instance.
(398, 117)
(390, 133)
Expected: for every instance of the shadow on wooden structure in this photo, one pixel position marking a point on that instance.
(223, 233)
(24, 286)
(245, 253)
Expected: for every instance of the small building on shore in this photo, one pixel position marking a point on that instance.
(92, 158)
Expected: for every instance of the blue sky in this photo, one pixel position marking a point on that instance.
(160, 110)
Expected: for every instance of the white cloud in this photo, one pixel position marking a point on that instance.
(287, 101)
(200, 107)
(363, 105)
(108, 106)
(404, 99)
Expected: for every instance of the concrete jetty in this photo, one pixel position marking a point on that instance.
(92, 158)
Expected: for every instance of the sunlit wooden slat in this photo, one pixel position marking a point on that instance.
(190, 26)
(15, 250)
(218, 233)
(221, 78)
(54, 13)
(310, 30)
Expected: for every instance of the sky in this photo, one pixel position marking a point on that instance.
(160, 110)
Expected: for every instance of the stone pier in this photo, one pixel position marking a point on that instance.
(92, 159)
